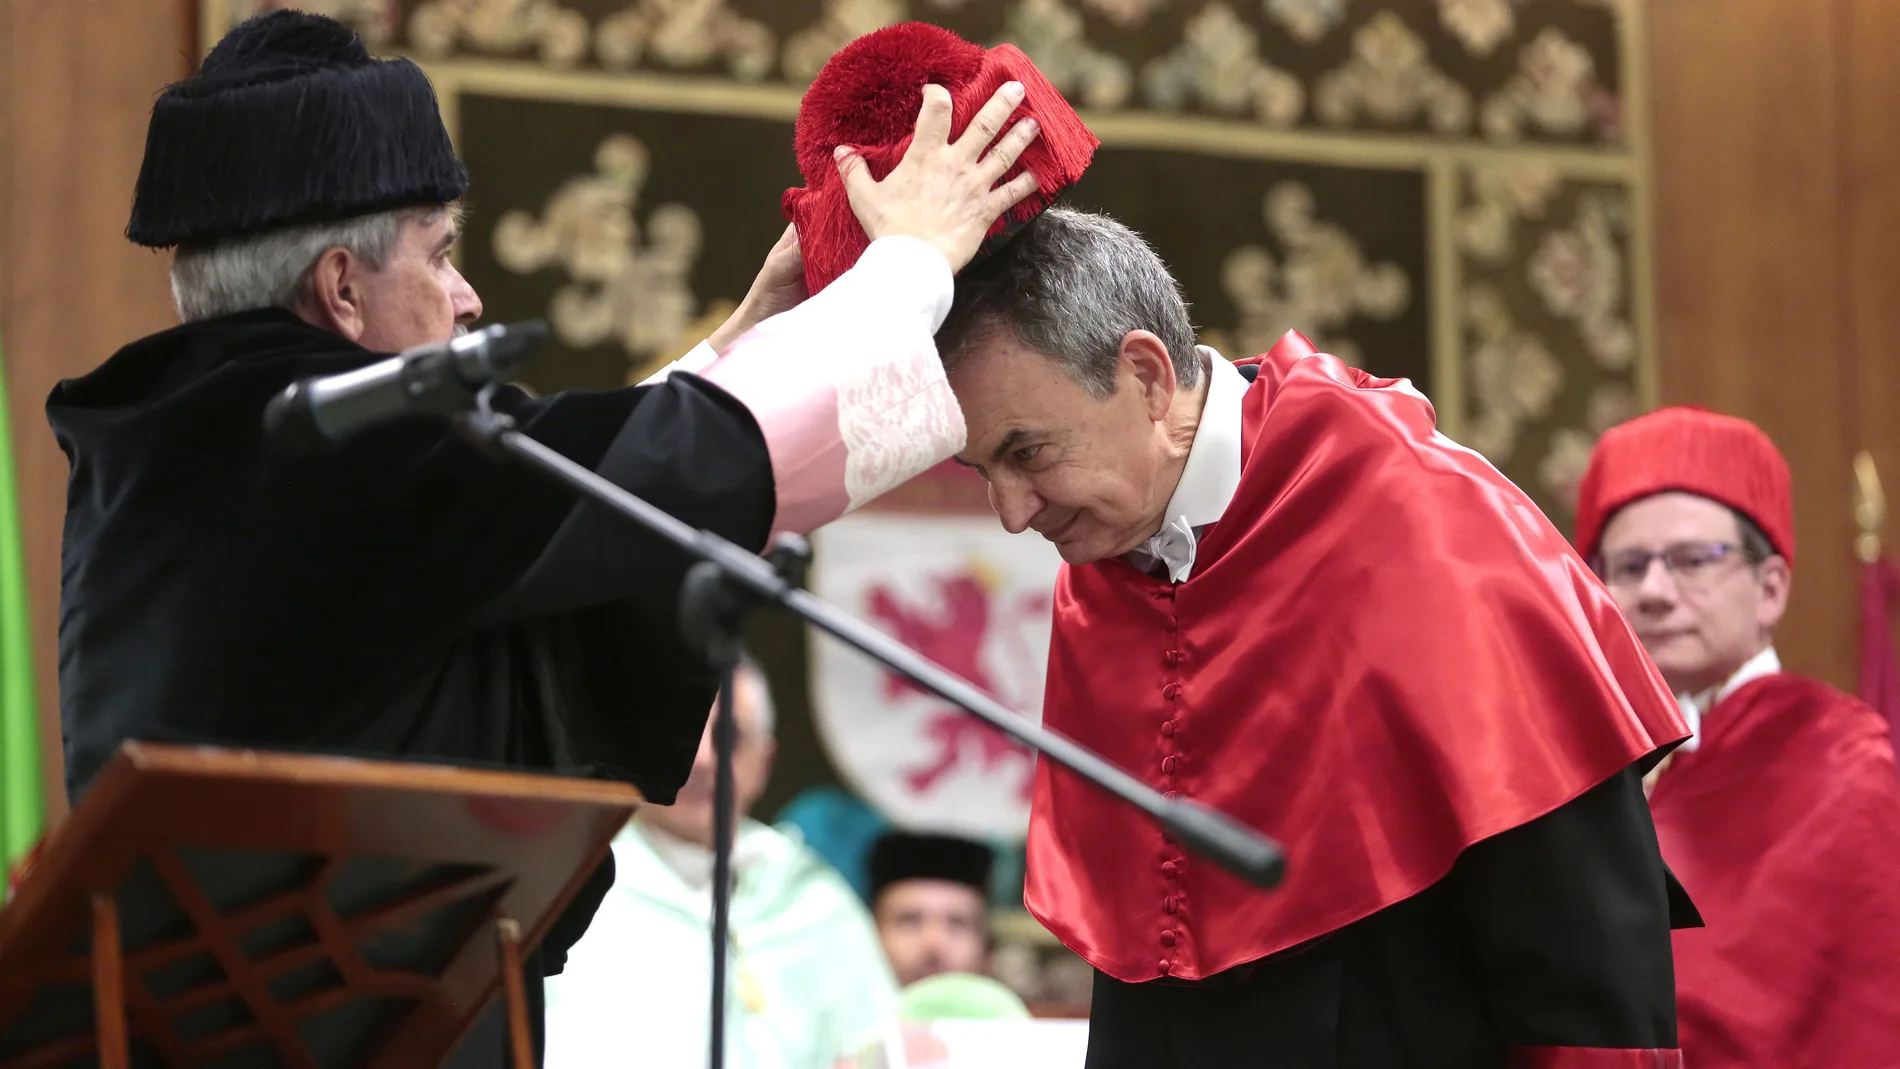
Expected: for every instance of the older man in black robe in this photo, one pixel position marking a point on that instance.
(401, 595)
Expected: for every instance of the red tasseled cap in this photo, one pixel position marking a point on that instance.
(868, 95)
(1695, 451)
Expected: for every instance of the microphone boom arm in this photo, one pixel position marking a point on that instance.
(441, 379)
(1214, 835)
(457, 378)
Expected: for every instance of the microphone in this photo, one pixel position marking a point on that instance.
(440, 378)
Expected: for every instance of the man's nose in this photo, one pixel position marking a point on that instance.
(1658, 587)
(1015, 502)
(464, 300)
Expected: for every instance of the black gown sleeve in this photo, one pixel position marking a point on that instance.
(624, 694)
(460, 540)
(399, 595)
(685, 446)
(1569, 918)
(567, 613)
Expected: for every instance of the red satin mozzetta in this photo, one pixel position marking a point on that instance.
(1385, 654)
(1784, 823)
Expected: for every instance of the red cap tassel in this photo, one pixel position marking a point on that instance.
(867, 97)
(1064, 145)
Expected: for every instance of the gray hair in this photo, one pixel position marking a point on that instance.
(1072, 285)
(272, 269)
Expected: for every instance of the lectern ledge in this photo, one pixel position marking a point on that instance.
(220, 908)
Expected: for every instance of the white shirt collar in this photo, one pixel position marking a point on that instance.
(1211, 475)
(1695, 706)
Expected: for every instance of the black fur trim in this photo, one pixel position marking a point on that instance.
(291, 121)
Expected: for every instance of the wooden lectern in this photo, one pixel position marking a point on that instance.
(224, 908)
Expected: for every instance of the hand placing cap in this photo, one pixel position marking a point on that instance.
(871, 100)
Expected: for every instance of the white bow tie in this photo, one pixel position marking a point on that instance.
(1173, 546)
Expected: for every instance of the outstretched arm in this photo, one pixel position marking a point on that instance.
(846, 387)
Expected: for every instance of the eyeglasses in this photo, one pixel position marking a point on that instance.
(1689, 563)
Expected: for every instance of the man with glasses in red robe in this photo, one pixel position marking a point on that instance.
(1781, 815)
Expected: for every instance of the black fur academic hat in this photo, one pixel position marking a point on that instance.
(290, 121)
(898, 856)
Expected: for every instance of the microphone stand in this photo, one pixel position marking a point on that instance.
(723, 652)
(728, 581)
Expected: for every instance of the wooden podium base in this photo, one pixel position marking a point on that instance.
(219, 908)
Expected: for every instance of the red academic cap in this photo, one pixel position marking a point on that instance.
(868, 95)
(1695, 451)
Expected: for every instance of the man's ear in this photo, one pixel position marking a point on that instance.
(1145, 359)
(1777, 582)
(333, 299)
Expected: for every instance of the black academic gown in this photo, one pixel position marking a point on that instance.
(401, 596)
(1545, 947)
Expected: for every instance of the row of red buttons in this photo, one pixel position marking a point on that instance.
(1174, 902)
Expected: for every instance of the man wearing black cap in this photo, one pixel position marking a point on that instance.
(401, 595)
(930, 898)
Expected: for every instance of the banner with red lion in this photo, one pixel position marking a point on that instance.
(949, 582)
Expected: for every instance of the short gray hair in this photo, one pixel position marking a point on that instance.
(272, 269)
(1072, 285)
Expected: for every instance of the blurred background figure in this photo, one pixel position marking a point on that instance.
(1782, 813)
(930, 897)
(808, 978)
(961, 1021)
(838, 826)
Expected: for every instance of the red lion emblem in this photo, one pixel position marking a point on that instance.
(955, 638)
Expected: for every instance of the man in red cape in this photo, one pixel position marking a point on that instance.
(1782, 814)
(1288, 597)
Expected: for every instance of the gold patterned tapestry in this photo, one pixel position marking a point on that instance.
(1448, 190)
(1454, 191)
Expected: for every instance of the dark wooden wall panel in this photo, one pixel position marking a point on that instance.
(77, 78)
(1870, 188)
(1777, 210)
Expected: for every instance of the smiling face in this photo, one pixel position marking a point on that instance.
(1091, 474)
(1705, 616)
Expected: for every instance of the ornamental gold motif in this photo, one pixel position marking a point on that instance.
(1218, 66)
(1319, 287)
(620, 286)
(1518, 261)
